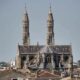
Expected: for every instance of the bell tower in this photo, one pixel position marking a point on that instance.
(26, 35)
(50, 28)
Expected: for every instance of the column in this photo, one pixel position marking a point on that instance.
(18, 61)
(52, 62)
(42, 61)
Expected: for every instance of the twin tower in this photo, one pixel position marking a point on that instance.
(50, 29)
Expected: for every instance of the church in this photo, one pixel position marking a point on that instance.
(43, 57)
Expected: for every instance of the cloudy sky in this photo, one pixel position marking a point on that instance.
(66, 24)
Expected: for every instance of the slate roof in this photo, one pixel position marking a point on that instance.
(29, 49)
(32, 49)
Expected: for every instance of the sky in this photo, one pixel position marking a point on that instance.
(66, 15)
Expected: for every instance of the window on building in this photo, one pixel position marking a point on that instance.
(66, 58)
(23, 58)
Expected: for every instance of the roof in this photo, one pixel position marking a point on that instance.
(32, 49)
(29, 49)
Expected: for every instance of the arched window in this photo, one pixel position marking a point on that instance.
(66, 58)
(48, 58)
(23, 58)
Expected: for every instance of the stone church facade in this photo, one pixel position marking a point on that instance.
(49, 56)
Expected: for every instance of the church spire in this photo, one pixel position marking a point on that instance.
(26, 35)
(50, 28)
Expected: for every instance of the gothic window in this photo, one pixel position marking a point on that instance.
(23, 58)
(59, 57)
(48, 59)
(66, 58)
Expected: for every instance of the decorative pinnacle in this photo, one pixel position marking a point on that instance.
(50, 11)
(25, 9)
